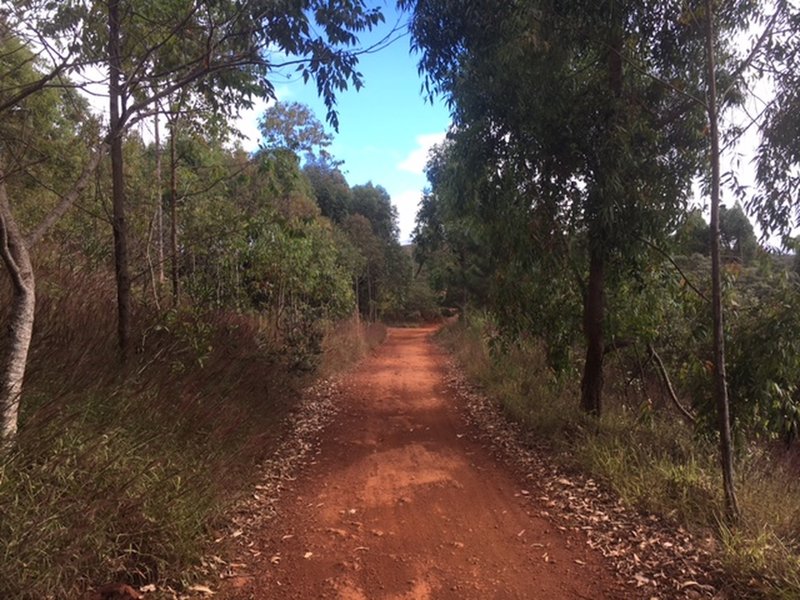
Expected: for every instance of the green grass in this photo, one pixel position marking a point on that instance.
(650, 458)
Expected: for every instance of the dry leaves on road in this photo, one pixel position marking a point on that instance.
(661, 558)
(298, 447)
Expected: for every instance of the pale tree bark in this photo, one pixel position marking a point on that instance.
(720, 376)
(17, 338)
(15, 250)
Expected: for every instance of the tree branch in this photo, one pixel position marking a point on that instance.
(68, 199)
(754, 50)
(662, 369)
(666, 255)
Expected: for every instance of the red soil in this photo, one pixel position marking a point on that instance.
(402, 503)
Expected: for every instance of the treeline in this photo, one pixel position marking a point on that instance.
(161, 190)
(560, 213)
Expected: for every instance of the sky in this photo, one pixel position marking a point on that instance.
(388, 126)
(385, 129)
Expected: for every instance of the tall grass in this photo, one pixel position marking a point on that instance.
(120, 472)
(649, 457)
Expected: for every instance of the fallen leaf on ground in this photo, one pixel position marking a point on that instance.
(202, 589)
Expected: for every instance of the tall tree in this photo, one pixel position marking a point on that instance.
(116, 97)
(567, 106)
(720, 377)
(331, 189)
(223, 50)
(44, 123)
(294, 127)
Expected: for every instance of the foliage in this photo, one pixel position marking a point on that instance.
(778, 160)
(650, 459)
(332, 192)
(292, 126)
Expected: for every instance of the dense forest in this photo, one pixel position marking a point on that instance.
(168, 292)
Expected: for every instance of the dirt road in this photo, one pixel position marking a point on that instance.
(402, 503)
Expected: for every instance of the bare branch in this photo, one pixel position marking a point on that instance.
(663, 370)
(666, 255)
(68, 199)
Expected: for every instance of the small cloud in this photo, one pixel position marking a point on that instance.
(415, 162)
(407, 203)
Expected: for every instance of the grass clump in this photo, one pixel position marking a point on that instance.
(649, 457)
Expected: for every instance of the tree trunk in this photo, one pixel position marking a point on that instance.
(720, 376)
(464, 287)
(173, 213)
(159, 203)
(369, 299)
(118, 182)
(594, 298)
(358, 308)
(593, 316)
(16, 342)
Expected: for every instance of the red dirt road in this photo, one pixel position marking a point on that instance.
(401, 503)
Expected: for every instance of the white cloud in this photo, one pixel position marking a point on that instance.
(415, 162)
(407, 203)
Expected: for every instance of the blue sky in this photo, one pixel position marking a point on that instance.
(385, 129)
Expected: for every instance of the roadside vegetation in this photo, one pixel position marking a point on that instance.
(168, 294)
(643, 451)
(121, 474)
(641, 332)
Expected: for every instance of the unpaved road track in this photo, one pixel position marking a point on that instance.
(402, 503)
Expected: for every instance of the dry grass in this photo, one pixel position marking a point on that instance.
(120, 472)
(651, 459)
(347, 342)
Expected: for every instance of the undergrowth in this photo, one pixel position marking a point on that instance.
(120, 474)
(649, 457)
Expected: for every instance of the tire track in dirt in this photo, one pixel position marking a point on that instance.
(403, 504)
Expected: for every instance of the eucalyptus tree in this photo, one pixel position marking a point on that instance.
(294, 126)
(571, 108)
(331, 189)
(40, 150)
(388, 283)
(600, 114)
(225, 50)
(777, 205)
(449, 236)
